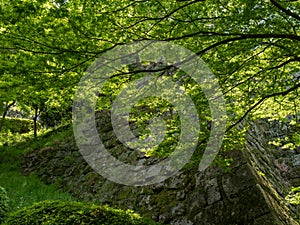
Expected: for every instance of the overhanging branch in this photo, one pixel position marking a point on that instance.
(283, 93)
(286, 11)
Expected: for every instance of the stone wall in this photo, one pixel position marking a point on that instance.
(275, 169)
(251, 193)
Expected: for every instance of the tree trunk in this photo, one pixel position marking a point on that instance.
(7, 107)
(36, 109)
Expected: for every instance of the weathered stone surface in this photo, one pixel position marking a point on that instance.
(213, 192)
(296, 160)
(252, 193)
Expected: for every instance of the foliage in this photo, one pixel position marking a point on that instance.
(3, 204)
(294, 196)
(146, 110)
(54, 116)
(254, 55)
(251, 47)
(60, 212)
(291, 141)
(18, 125)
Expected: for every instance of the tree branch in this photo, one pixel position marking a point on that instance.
(283, 93)
(286, 11)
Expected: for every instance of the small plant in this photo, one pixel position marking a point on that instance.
(3, 204)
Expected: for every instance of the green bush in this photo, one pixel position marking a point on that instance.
(18, 125)
(3, 204)
(61, 212)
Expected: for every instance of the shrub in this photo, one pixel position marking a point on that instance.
(61, 212)
(18, 125)
(3, 204)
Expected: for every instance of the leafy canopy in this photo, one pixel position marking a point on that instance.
(252, 47)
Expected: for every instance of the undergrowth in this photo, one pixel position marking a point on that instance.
(25, 190)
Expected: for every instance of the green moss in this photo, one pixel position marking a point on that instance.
(164, 198)
(92, 178)
(60, 212)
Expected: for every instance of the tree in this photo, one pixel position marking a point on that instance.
(252, 47)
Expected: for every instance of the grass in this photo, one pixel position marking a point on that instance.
(25, 190)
